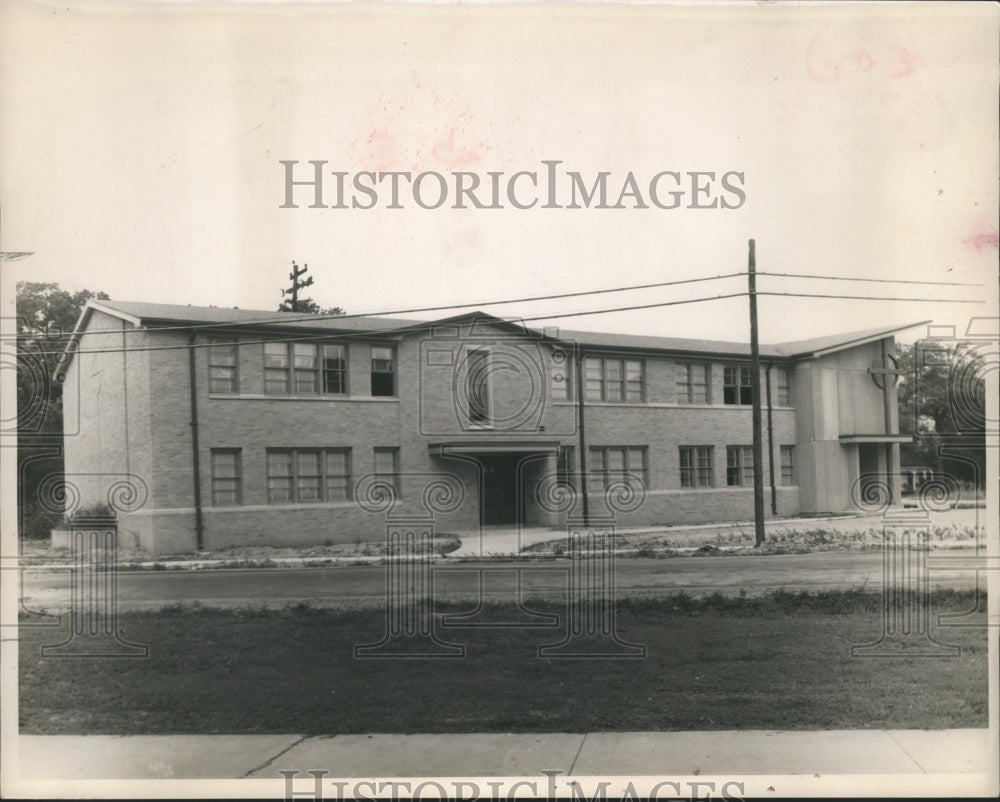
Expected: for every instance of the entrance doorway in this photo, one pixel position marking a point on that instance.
(871, 466)
(501, 502)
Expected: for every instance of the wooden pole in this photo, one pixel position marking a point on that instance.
(758, 446)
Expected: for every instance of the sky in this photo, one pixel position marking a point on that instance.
(141, 149)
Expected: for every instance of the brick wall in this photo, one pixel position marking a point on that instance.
(135, 413)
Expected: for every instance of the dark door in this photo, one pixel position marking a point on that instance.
(868, 466)
(500, 497)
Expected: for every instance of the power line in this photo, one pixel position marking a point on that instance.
(391, 313)
(877, 280)
(873, 298)
(422, 326)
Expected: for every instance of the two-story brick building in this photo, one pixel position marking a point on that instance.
(245, 427)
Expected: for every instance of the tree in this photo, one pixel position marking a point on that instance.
(293, 303)
(941, 398)
(46, 315)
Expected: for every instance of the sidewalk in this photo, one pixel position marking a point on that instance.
(627, 754)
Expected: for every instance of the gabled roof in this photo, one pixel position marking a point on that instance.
(206, 317)
(167, 314)
(797, 349)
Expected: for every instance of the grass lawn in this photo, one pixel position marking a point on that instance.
(778, 662)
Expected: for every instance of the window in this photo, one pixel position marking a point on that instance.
(276, 367)
(477, 386)
(564, 466)
(784, 395)
(736, 386)
(387, 466)
(696, 466)
(306, 367)
(615, 380)
(308, 475)
(616, 464)
(560, 376)
(226, 480)
(222, 366)
(383, 371)
(693, 381)
(337, 475)
(739, 466)
(335, 369)
(788, 465)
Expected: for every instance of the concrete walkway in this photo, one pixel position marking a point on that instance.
(628, 754)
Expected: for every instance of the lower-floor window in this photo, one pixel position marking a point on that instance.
(610, 464)
(226, 477)
(788, 465)
(739, 466)
(308, 474)
(696, 466)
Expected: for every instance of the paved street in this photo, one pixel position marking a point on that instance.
(356, 586)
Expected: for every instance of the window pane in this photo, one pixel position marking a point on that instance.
(334, 369)
(224, 464)
(616, 459)
(337, 488)
(308, 463)
(304, 354)
(336, 463)
(279, 489)
(275, 355)
(381, 358)
(279, 463)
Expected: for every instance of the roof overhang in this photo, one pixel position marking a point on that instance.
(491, 447)
(876, 438)
(854, 343)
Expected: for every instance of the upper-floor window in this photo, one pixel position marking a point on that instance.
(222, 366)
(564, 465)
(784, 383)
(696, 466)
(305, 368)
(226, 477)
(616, 380)
(383, 370)
(335, 369)
(739, 466)
(305, 359)
(276, 367)
(693, 382)
(617, 463)
(788, 465)
(308, 474)
(477, 386)
(736, 385)
(560, 376)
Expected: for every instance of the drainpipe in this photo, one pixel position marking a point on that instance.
(199, 526)
(583, 437)
(770, 441)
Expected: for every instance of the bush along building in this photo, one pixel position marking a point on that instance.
(235, 427)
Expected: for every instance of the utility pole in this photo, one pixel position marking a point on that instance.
(297, 285)
(758, 446)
